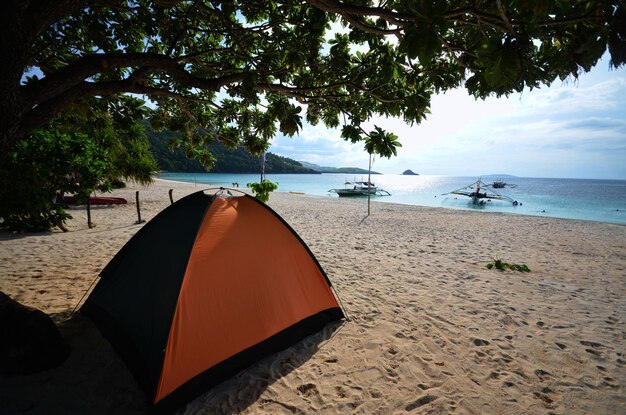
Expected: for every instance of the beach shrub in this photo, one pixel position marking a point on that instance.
(501, 265)
(263, 189)
(46, 164)
(68, 158)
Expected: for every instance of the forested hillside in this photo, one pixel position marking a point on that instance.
(228, 161)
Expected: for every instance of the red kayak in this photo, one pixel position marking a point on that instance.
(97, 200)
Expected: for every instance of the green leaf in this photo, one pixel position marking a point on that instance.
(351, 133)
(263, 189)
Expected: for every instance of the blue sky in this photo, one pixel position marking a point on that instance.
(574, 129)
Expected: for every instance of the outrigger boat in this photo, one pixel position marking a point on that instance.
(480, 192)
(501, 184)
(96, 200)
(360, 188)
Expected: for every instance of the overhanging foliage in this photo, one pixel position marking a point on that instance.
(238, 70)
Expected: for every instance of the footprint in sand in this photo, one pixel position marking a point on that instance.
(308, 390)
(609, 382)
(424, 400)
(541, 374)
(591, 344)
(593, 347)
(545, 399)
(376, 394)
(480, 342)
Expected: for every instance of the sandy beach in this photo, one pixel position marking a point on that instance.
(430, 329)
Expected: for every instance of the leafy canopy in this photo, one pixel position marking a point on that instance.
(242, 71)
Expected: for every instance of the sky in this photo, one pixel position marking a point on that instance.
(573, 129)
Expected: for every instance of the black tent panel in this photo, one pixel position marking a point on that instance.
(135, 299)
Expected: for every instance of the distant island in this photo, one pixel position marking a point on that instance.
(501, 176)
(409, 173)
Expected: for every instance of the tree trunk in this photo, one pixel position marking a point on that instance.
(11, 105)
(10, 116)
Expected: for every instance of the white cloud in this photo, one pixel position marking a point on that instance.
(568, 98)
(572, 129)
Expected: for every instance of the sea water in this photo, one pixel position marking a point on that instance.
(585, 199)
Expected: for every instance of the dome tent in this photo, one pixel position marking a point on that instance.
(209, 286)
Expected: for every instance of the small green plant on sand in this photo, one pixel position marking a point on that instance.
(263, 189)
(501, 265)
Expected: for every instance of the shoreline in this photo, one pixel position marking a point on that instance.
(249, 191)
(431, 329)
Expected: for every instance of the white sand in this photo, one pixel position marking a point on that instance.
(431, 329)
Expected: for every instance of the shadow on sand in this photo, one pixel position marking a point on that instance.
(95, 380)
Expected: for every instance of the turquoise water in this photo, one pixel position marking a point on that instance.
(596, 200)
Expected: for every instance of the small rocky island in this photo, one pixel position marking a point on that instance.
(409, 173)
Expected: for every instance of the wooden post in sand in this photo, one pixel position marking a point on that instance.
(138, 209)
(89, 224)
(171, 198)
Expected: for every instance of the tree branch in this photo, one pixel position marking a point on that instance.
(504, 18)
(370, 29)
(301, 93)
(344, 9)
(482, 18)
(88, 66)
(45, 111)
